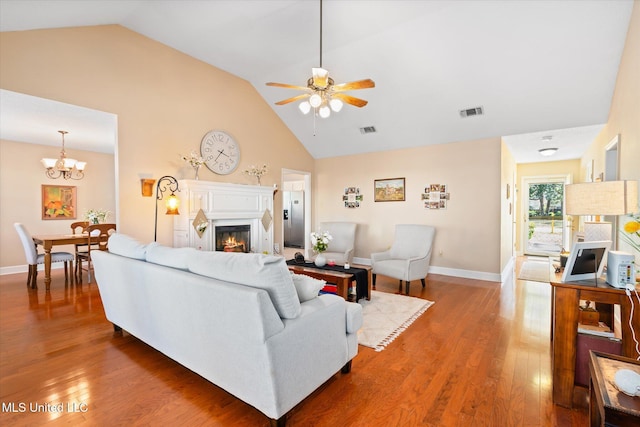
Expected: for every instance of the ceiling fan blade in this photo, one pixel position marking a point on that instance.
(360, 84)
(295, 98)
(357, 102)
(286, 86)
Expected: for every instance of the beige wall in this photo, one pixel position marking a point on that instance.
(468, 231)
(165, 102)
(21, 180)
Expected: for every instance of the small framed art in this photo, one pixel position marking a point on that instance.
(389, 190)
(58, 202)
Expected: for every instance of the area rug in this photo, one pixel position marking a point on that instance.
(535, 271)
(386, 316)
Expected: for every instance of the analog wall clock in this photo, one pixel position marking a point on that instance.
(220, 151)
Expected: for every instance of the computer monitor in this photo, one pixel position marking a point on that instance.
(586, 260)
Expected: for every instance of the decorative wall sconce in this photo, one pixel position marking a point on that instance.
(166, 183)
(63, 166)
(147, 186)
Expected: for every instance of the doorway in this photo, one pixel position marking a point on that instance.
(296, 212)
(545, 230)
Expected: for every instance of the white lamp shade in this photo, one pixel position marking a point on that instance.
(324, 111)
(602, 198)
(81, 165)
(305, 107)
(336, 105)
(49, 163)
(69, 163)
(315, 100)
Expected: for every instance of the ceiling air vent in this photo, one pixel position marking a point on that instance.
(477, 111)
(367, 129)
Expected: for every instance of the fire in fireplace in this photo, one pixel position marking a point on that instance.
(233, 238)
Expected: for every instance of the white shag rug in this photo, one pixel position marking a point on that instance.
(386, 316)
(535, 271)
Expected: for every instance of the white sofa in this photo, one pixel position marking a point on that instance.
(235, 319)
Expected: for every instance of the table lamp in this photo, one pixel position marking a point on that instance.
(601, 198)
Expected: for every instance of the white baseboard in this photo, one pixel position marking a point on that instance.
(13, 269)
(455, 272)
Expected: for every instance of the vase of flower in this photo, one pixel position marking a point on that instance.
(320, 260)
(195, 161)
(197, 169)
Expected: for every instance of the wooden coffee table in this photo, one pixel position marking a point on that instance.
(341, 279)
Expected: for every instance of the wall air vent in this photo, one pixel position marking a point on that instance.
(469, 112)
(367, 129)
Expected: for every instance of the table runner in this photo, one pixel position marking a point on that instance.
(361, 275)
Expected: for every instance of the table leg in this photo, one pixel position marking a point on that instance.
(47, 266)
(564, 345)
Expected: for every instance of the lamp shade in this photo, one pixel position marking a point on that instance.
(602, 198)
(172, 205)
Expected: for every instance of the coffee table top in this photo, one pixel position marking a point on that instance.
(332, 273)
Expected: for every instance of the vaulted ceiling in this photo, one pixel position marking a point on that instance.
(537, 68)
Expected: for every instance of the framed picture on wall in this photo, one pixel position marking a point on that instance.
(58, 202)
(389, 190)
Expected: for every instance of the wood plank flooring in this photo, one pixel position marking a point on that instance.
(480, 356)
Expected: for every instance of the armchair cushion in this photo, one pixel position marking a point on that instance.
(307, 287)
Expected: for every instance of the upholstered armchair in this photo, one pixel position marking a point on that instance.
(344, 236)
(409, 256)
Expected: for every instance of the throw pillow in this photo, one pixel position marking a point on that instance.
(123, 245)
(307, 287)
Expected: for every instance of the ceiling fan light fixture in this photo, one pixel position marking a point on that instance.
(336, 105)
(324, 111)
(547, 151)
(305, 107)
(315, 100)
(320, 77)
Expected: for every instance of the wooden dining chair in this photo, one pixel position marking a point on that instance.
(33, 258)
(79, 227)
(97, 239)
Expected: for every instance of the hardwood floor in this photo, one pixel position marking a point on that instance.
(480, 356)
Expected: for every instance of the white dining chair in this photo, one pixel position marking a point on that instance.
(33, 258)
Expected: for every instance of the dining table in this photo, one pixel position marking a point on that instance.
(48, 241)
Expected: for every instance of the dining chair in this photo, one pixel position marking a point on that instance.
(33, 258)
(79, 227)
(97, 239)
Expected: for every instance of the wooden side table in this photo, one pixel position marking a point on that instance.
(564, 323)
(607, 405)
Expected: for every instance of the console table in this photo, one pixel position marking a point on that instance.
(564, 328)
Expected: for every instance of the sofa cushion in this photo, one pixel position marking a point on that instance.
(127, 246)
(307, 287)
(171, 257)
(266, 272)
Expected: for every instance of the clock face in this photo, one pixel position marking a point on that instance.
(220, 151)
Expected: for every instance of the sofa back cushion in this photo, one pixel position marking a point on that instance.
(127, 246)
(170, 257)
(256, 270)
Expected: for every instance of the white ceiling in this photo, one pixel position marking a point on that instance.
(538, 68)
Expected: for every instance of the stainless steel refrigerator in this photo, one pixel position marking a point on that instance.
(293, 219)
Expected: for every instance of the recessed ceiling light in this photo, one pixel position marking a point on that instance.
(547, 151)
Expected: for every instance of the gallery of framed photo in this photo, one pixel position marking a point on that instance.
(389, 190)
(58, 202)
(435, 196)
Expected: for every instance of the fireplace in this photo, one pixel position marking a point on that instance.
(233, 238)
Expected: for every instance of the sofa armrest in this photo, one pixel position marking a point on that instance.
(380, 256)
(354, 317)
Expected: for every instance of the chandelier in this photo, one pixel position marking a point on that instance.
(63, 166)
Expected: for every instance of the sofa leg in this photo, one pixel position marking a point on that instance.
(400, 286)
(346, 368)
(423, 283)
(116, 328)
(407, 287)
(280, 422)
(373, 276)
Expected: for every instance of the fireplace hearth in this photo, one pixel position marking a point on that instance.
(233, 238)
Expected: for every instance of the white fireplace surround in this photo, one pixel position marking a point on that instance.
(223, 204)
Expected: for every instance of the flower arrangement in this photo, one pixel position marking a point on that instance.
(202, 226)
(256, 171)
(320, 241)
(96, 216)
(195, 160)
(631, 233)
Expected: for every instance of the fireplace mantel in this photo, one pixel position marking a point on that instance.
(223, 204)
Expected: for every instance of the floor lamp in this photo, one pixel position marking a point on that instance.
(601, 198)
(166, 183)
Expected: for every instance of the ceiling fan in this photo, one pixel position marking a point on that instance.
(321, 93)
